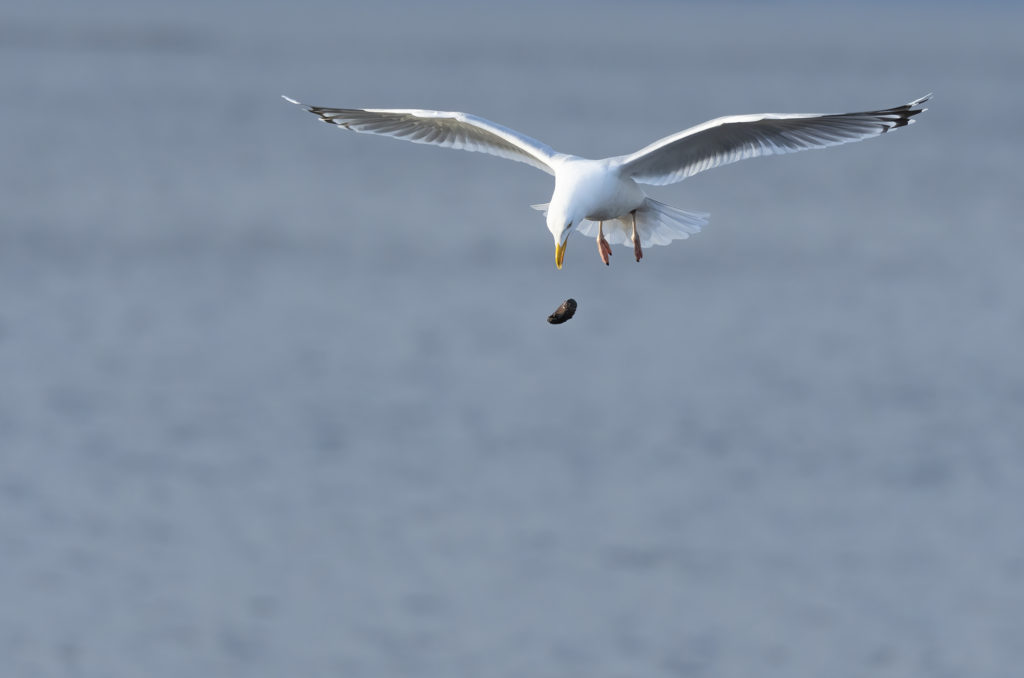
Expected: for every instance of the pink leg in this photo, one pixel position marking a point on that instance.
(639, 253)
(603, 248)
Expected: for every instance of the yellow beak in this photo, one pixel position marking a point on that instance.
(560, 253)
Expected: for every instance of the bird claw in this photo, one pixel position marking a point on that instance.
(637, 251)
(635, 237)
(604, 249)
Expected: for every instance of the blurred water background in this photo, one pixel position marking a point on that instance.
(277, 400)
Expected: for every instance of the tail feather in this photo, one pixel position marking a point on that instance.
(656, 224)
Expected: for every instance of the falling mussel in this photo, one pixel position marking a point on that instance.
(563, 312)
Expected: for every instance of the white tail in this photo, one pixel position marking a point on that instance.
(656, 223)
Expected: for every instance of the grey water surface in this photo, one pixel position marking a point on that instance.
(279, 400)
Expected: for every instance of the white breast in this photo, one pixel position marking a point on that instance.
(594, 190)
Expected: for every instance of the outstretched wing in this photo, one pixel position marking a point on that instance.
(441, 128)
(737, 137)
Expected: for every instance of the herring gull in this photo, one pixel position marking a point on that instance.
(603, 198)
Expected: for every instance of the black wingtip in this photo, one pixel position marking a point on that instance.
(901, 116)
(298, 103)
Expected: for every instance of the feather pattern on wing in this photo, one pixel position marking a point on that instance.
(726, 140)
(448, 129)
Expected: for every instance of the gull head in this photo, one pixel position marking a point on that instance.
(561, 226)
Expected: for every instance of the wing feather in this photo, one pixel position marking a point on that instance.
(447, 129)
(733, 138)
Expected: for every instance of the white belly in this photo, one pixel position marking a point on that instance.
(589, 188)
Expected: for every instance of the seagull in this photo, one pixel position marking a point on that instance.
(603, 199)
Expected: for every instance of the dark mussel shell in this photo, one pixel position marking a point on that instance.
(563, 312)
